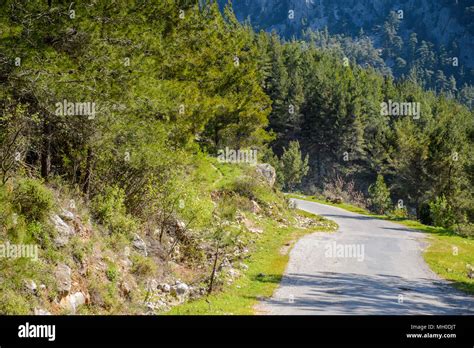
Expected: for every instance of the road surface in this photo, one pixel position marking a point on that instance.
(368, 267)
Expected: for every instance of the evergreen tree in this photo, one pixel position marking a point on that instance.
(293, 165)
(379, 196)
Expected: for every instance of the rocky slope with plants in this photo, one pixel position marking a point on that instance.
(94, 258)
(114, 119)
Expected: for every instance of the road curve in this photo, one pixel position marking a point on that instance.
(368, 267)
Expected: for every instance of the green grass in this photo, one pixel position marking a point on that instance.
(345, 206)
(266, 267)
(440, 255)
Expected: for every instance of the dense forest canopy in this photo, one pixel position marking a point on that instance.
(172, 77)
(427, 41)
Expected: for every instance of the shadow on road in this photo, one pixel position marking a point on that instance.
(335, 293)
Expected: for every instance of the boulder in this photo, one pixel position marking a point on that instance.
(73, 301)
(96, 297)
(255, 207)
(63, 277)
(30, 285)
(39, 311)
(66, 215)
(63, 229)
(139, 244)
(164, 287)
(180, 289)
(127, 286)
(152, 285)
(267, 172)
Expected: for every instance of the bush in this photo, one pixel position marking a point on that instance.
(32, 199)
(245, 186)
(337, 190)
(143, 266)
(465, 230)
(111, 202)
(109, 209)
(399, 213)
(442, 213)
(424, 214)
(112, 272)
(13, 303)
(40, 234)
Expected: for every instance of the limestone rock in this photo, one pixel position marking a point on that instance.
(73, 301)
(139, 244)
(31, 286)
(39, 311)
(63, 277)
(267, 172)
(63, 229)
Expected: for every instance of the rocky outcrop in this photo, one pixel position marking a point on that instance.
(71, 302)
(267, 172)
(63, 278)
(139, 244)
(64, 231)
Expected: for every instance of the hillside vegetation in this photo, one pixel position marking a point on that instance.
(110, 116)
(125, 129)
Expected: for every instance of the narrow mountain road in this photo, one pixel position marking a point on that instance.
(368, 267)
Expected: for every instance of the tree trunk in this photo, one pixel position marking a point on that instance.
(45, 157)
(213, 274)
(88, 173)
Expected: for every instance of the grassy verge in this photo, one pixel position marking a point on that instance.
(447, 255)
(266, 266)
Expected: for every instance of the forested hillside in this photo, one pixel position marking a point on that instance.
(126, 135)
(428, 41)
(109, 110)
(336, 112)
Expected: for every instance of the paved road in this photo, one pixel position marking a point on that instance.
(368, 267)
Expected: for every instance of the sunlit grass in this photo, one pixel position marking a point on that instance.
(266, 264)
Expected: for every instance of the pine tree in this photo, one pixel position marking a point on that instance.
(379, 196)
(293, 165)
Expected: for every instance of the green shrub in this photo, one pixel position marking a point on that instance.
(399, 213)
(13, 303)
(465, 230)
(123, 224)
(40, 234)
(109, 209)
(105, 205)
(442, 213)
(112, 272)
(245, 186)
(143, 266)
(228, 206)
(32, 199)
